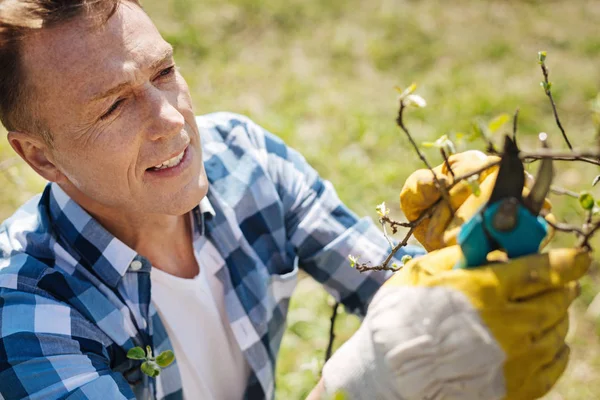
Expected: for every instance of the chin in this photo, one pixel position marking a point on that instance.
(186, 202)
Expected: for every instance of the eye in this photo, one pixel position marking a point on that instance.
(167, 71)
(112, 108)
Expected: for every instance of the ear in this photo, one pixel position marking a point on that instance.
(36, 152)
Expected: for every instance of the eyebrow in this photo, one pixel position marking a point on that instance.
(167, 54)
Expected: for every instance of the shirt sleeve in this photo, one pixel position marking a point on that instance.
(321, 229)
(48, 351)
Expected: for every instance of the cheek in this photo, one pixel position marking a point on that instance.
(100, 164)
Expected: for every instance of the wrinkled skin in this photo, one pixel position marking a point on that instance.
(104, 144)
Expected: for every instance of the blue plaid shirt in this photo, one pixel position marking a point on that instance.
(73, 301)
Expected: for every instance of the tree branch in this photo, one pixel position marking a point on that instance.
(549, 94)
(443, 190)
(331, 331)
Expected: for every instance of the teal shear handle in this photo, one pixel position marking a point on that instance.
(518, 232)
(508, 221)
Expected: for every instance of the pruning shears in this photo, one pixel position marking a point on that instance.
(508, 221)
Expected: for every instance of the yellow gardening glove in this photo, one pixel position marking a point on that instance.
(420, 192)
(489, 333)
(523, 304)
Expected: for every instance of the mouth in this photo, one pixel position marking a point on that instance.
(170, 163)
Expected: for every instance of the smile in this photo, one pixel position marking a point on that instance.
(171, 162)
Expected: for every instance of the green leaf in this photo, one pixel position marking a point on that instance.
(406, 258)
(546, 86)
(498, 122)
(165, 358)
(150, 368)
(136, 353)
(586, 200)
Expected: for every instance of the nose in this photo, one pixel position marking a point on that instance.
(163, 119)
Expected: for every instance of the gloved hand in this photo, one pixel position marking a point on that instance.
(420, 192)
(434, 332)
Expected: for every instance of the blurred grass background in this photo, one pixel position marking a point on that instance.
(321, 74)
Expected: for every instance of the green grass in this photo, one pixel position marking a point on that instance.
(321, 74)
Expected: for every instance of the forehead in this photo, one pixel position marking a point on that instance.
(80, 59)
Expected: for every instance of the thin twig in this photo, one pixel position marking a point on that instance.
(563, 191)
(384, 265)
(331, 331)
(478, 171)
(364, 267)
(560, 227)
(531, 158)
(443, 190)
(549, 94)
(585, 240)
(395, 224)
(447, 162)
(382, 222)
(515, 119)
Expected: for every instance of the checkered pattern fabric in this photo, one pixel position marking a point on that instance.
(74, 299)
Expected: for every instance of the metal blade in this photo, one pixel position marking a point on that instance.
(511, 177)
(543, 180)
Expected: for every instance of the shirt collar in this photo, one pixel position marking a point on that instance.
(106, 255)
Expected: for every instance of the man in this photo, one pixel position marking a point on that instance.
(165, 231)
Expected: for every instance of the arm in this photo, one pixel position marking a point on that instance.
(48, 350)
(320, 228)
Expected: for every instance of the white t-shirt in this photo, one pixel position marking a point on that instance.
(210, 360)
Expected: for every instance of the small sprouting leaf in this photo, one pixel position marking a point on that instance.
(414, 100)
(444, 143)
(542, 56)
(165, 358)
(498, 122)
(136, 353)
(353, 260)
(150, 368)
(382, 210)
(408, 91)
(596, 180)
(406, 258)
(586, 200)
(473, 182)
(148, 352)
(546, 85)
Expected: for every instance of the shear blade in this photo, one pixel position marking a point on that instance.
(511, 177)
(535, 201)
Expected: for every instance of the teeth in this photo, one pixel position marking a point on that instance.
(171, 162)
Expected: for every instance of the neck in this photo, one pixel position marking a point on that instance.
(165, 240)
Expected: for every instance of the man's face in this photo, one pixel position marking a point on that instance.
(117, 108)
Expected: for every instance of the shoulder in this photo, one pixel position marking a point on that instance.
(231, 128)
(26, 244)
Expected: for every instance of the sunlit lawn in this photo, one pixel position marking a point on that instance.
(321, 74)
